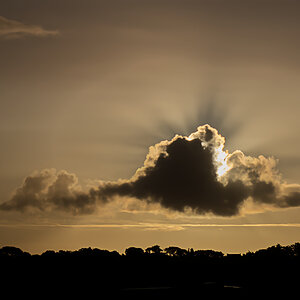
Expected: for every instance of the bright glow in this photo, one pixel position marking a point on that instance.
(221, 160)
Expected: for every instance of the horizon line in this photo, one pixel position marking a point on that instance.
(155, 226)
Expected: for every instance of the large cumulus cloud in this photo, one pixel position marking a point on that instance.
(183, 176)
(188, 172)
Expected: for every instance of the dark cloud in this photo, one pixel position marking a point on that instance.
(191, 172)
(183, 173)
(290, 200)
(184, 176)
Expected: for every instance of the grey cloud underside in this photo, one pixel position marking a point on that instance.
(49, 190)
(178, 174)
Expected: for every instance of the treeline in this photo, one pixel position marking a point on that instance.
(173, 271)
(172, 251)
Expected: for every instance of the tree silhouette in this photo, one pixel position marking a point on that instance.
(134, 252)
(154, 249)
(296, 249)
(12, 251)
(175, 251)
(208, 254)
(186, 271)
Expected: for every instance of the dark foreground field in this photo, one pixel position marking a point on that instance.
(152, 274)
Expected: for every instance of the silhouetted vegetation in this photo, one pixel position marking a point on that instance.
(155, 271)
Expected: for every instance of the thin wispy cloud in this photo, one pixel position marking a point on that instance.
(156, 226)
(14, 29)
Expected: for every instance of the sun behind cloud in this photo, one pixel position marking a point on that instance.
(186, 173)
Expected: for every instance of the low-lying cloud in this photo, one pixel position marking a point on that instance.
(14, 29)
(50, 190)
(186, 173)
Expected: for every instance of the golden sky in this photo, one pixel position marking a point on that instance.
(88, 86)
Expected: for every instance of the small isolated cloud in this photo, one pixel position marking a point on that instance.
(188, 173)
(51, 190)
(14, 29)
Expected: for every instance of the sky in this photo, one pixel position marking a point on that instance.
(103, 113)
